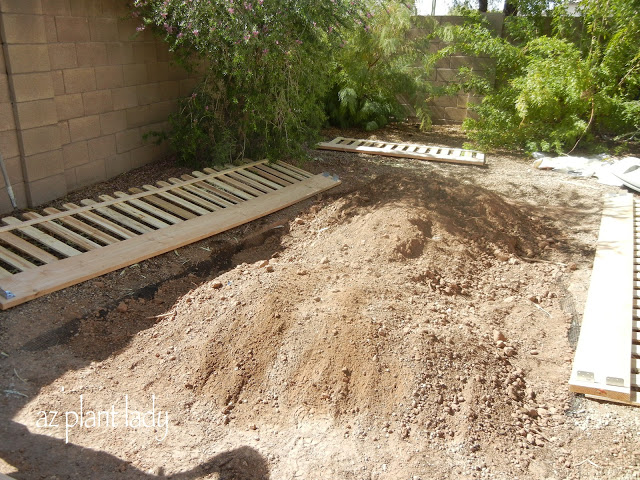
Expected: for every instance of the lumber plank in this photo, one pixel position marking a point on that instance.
(195, 199)
(47, 278)
(5, 273)
(135, 213)
(226, 198)
(170, 207)
(223, 186)
(283, 169)
(201, 192)
(601, 362)
(107, 224)
(280, 181)
(277, 173)
(45, 239)
(65, 233)
(26, 247)
(142, 205)
(16, 261)
(238, 184)
(98, 235)
(118, 217)
(176, 199)
(257, 178)
(252, 183)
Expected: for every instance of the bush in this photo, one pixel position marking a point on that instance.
(554, 91)
(264, 72)
(378, 68)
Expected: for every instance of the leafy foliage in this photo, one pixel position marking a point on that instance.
(377, 69)
(265, 71)
(559, 80)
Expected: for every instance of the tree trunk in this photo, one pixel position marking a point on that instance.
(510, 8)
(483, 5)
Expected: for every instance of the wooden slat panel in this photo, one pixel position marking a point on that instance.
(284, 169)
(159, 202)
(5, 273)
(135, 213)
(51, 277)
(45, 239)
(269, 176)
(176, 199)
(142, 205)
(601, 362)
(277, 173)
(16, 261)
(26, 247)
(83, 227)
(209, 206)
(224, 186)
(203, 193)
(468, 157)
(248, 181)
(227, 198)
(259, 179)
(114, 228)
(118, 217)
(240, 185)
(68, 235)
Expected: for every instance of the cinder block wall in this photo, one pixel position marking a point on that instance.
(449, 109)
(78, 89)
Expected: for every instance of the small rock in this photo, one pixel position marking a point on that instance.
(122, 307)
(299, 221)
(263, 263)
(531, 439)
(302, 272)
(500, 344)
(317, 299)
(216, 285)
(498, 335)
(534, 299)
(534, 352)
(270, 268)
(99, 284)
(509, 351)
(509, 300)
(572, 266)
(324, 260)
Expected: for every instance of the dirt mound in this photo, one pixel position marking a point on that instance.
(354, 324)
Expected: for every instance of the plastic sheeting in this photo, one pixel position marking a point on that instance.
(609, 171)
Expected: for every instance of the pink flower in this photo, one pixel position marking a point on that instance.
(196, 32)
(231, 10)
(180, 35)
(140, 28)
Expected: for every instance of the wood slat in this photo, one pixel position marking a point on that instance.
(168, 206)
(273, 178)
(5, 273)
(227, 198)
(601, 363)
(26, 247)
(16, 261)
(277, 173)
(289, 172)
(114, 228)
(209, 206)
(176, 199)
(118, 217)
(223, 186)
(252, 183)
(63, 232)
(203, 193)
(147, 207)
(96, 234)
(54, 276)
(259, 179)
(45, 239)
(302, 172)
(136, 213)
(240, 185)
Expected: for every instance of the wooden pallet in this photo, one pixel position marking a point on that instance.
(41, 253)
(405, 150)
(607, 359)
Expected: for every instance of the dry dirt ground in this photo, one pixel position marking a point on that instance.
(416, 322)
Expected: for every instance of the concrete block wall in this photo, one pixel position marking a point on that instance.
(453, 109)
(78, 90)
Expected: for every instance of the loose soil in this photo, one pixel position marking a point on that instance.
(416, 322)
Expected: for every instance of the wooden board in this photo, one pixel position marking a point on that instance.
(602, 363)
(124, 229)
(405, 150)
